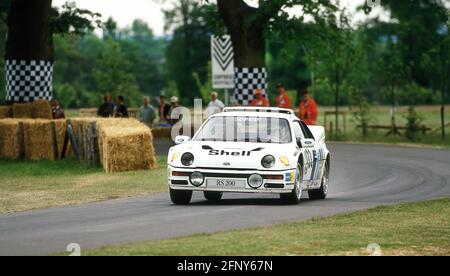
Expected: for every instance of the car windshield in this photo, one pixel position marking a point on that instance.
(246, 129)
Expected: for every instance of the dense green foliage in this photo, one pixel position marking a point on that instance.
(404, 61)
(126, 62)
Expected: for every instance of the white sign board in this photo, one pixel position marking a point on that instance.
(222, 57)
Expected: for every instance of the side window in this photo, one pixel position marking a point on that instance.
(298, 131)
(308, 134)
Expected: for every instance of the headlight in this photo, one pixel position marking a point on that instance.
(197, 179)
(187, 159)
(255, 181)
(268, 161)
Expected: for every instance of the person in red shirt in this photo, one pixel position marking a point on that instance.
(260, 100)
(307, 109)
(283, 100)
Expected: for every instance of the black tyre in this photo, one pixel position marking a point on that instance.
(322, 192)
(213, 196)
(179, 197)
(295, 196)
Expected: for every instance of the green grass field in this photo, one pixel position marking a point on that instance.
(381, 116)
(408, 229)
(29, 185)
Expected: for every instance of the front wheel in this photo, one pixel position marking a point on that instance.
(179, 197)
(322, 192)
(295, 196)
(213, 196)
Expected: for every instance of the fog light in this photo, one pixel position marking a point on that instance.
(197, 179)
(255, 181)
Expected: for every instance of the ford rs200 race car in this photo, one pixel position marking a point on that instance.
(250, 150)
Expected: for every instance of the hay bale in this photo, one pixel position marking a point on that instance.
(113, 124)
(124, 144)
(9, 139)
(5, 112)
(128, 149)
(38, 139)
(23, 110)
(162, 132)
(42, 110)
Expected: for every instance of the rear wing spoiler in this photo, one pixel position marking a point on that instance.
(318, 132)
(259, 109)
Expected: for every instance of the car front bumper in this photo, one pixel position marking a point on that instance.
(272, 181)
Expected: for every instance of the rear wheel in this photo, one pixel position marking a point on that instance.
(322, 192)
(295, 196)
(180, 197)
(213, 196)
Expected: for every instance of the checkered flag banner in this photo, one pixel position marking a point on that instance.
(28, 80)
(246, 81)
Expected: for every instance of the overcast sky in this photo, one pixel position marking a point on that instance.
(125, 11)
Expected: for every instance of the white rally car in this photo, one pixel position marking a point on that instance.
(250, 150)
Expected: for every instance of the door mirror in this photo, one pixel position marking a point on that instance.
(182, 139)
(306, 143)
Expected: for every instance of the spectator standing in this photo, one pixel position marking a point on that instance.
(260, 100)
(147, 112)
(121, 110)
(164, 110)
(174, 104)
(283, 100)
(107, 108)
(215, 105)
(307, 109)
(57, 110)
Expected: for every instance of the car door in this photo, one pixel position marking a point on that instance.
(308, 157)
(317, 163)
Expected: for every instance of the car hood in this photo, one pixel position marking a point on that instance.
(223, 155)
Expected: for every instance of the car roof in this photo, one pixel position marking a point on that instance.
(257, 112)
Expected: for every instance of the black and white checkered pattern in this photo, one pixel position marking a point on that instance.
(246, 81)
(28, 80)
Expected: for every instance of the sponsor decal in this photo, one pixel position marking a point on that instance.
(287, 177)
(232, 153)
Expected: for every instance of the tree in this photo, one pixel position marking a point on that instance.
(337, 52)
(415, 26)
(249, 27)
(112, 75)
(394, 74)
(3, 31)
(437, 62)
(284, 65)
(145, 53)
(185, 53)
(29, 46)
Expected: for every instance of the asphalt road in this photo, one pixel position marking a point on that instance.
(361, 177)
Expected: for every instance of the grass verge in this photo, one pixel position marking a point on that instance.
(408, 229)
(29, 185)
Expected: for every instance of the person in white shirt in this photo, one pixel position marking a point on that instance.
(215, 105)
